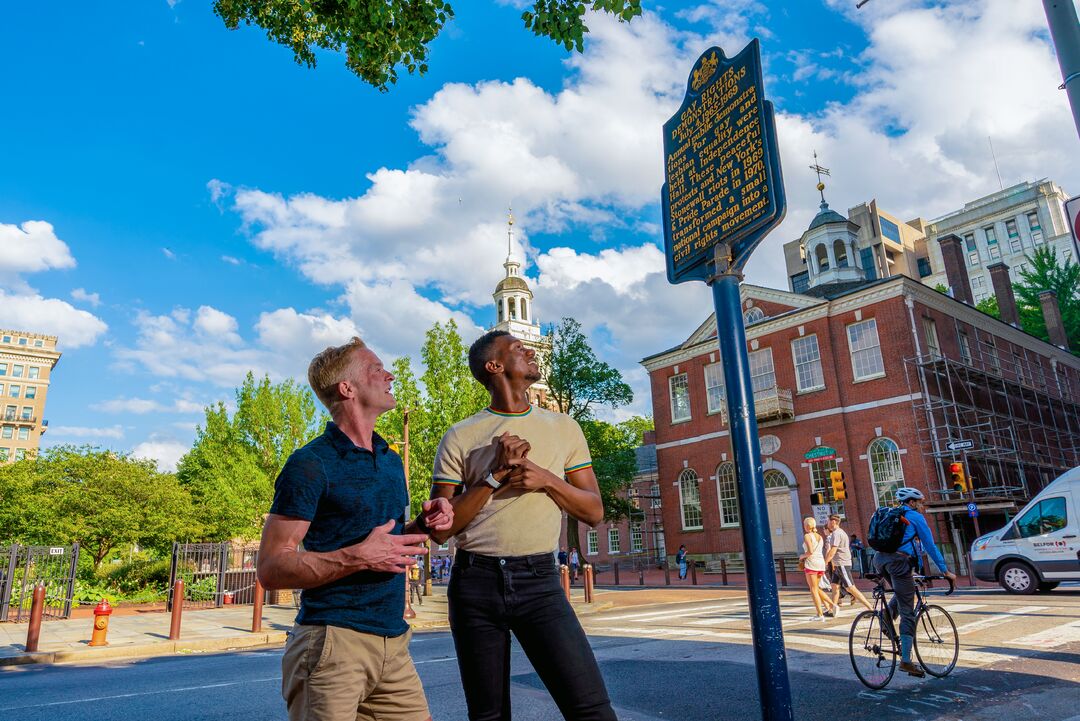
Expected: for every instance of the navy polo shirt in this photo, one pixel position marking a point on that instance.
(346, 491)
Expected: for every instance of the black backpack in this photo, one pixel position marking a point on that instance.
(887, 527)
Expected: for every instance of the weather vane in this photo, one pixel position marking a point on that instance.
(820, 171)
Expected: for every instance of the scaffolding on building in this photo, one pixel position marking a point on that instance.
(1010, 415)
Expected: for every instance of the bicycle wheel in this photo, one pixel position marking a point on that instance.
(873, 653)
(937, 644)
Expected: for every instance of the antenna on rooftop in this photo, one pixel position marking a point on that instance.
(1001, 186)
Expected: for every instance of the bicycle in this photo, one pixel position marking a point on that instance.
(874, 645)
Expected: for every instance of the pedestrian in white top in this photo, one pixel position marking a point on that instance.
(814, 567)
(838, 556)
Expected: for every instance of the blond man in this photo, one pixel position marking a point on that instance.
(343, 496)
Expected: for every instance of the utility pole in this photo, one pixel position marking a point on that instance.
(1065, 32)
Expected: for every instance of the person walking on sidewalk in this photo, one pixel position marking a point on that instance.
(680, 561)
(512, 470)
(897, 567)
(343, 496)
(838, 557)
(814, 568)
(575, 563)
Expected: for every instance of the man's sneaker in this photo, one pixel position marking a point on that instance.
(818, 618)
(912, 669)
(828, 614)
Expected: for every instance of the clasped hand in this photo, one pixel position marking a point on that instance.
(513, 468)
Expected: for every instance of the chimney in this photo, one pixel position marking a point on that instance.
(999, 276)
(649, 438)
(1055, 328)
(952, 253)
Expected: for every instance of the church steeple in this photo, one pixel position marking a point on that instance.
(513, 268)
(513, 298)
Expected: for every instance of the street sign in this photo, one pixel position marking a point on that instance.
(973, 510)
(56, 550)
(960, 445)
(820, 454)
(722, 175)
(821, 514)
(1072, 211)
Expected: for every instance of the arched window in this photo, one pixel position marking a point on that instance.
(727, 492)
(885, 469)
(821, 482)
(753, 315)
(822, 255)
(775, 479)
(690, 499)
(839, 251)
(512, 303)
(524, 309)
(502, 313)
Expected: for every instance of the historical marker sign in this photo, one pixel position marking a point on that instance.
(721, 166)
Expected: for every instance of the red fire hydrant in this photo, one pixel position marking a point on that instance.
(102, 611)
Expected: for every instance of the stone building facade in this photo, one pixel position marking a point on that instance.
(26, 364)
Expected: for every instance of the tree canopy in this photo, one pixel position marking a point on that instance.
(577, 380)
(378, 37)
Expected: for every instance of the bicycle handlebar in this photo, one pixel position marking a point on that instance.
(952, 584)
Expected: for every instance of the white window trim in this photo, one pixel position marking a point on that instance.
(720, 498)
(795, 364)
(591, 537)
(851, 351)
(614, 531)
(671, 398)
(682, 505)
(723, 391)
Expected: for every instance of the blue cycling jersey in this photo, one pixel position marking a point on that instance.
(918, 528)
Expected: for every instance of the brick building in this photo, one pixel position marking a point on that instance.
(873, 378)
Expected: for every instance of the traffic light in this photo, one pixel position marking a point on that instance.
(957, 477)
(839, 491)
(818, 499)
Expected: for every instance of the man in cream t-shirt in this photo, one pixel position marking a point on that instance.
(510, 472)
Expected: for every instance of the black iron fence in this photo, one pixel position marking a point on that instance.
(214, 574)
(23, 567)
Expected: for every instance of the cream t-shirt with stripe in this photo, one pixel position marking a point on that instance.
(512, 522)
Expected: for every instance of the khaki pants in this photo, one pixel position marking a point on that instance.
(330, 673)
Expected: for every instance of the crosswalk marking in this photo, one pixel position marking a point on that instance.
(1051, 637)
(673, 613)
(999, 618)
(962, 607)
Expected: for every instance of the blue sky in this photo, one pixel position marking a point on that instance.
(180, 203)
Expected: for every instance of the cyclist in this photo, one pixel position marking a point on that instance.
(897, 568)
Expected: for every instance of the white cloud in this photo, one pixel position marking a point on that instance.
(167, 453)
(31, 248)
(82, 296)
(231, 260)
(141, 406)
(74, 328)
(168, 253)
(214, 324)
(84, 432)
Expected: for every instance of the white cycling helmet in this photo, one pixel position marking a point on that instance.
(909, 494)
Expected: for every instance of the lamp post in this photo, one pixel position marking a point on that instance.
(409, 612)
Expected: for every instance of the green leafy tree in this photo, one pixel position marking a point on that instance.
(102, 500)
(989, 306)
(1046, 271)
(231, 468)
(576, 379)
(378, 37)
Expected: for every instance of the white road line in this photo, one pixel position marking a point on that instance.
(999, 618)
(143, 693)
(671, 612)
(435, 660)
(962, 607)
(1051, 637)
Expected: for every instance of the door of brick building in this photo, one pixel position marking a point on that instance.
(781, 521)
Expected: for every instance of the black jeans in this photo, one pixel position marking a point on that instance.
(491, 597)
(897, 568)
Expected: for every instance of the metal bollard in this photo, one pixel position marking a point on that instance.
(641, 577)
(37, 608)
(723, 571)
(589, 583)
(783, 572)
(101, 623)
(667, 574)
(693, 572)
(177, 609)
(256, 615)
(564, 579)
(971, 571)
(615, 568)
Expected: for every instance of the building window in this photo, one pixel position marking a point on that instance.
(637, 540)
(753, 315)
(727, 492)
(15, 390)
(991, 351)
(613, 543)
(7, 339)
(924, 267)
(807, 355)
(821, 482)
(7, 432)
(22, 341)
(800, 282)
(524, 309)
(965, 347)
(9, 413)
(5, 453)
(654, 495)
(1036, 229)
(863, 342)
(930, 331)
(500, 304)
(822, 255)
(774, 479)
(31, 392)
(2, 389)
(27, 413)
(16, 371)
(840, 251)
(24, 434)
(889, 229)
(33, 372)
(680, 398)
(20, 453)
(1015, 244)
(3, 369)
(690, 500)
(885, 470)
(592, 542)
(39, 344)
(992, 243)
(762, 373)
(714, 387)
(866, 259)
(972, 249)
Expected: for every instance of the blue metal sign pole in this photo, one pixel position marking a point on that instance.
(770, 657)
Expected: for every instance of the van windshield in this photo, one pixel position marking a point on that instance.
(1049, 516)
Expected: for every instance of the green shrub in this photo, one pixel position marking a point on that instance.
(139, 574)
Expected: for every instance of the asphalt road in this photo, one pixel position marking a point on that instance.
(675, 661)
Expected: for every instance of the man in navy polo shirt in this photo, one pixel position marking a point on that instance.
(344, 496)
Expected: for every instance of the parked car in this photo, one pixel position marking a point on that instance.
(1040, 547)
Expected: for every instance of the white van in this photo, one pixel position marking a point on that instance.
(1039, 548)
